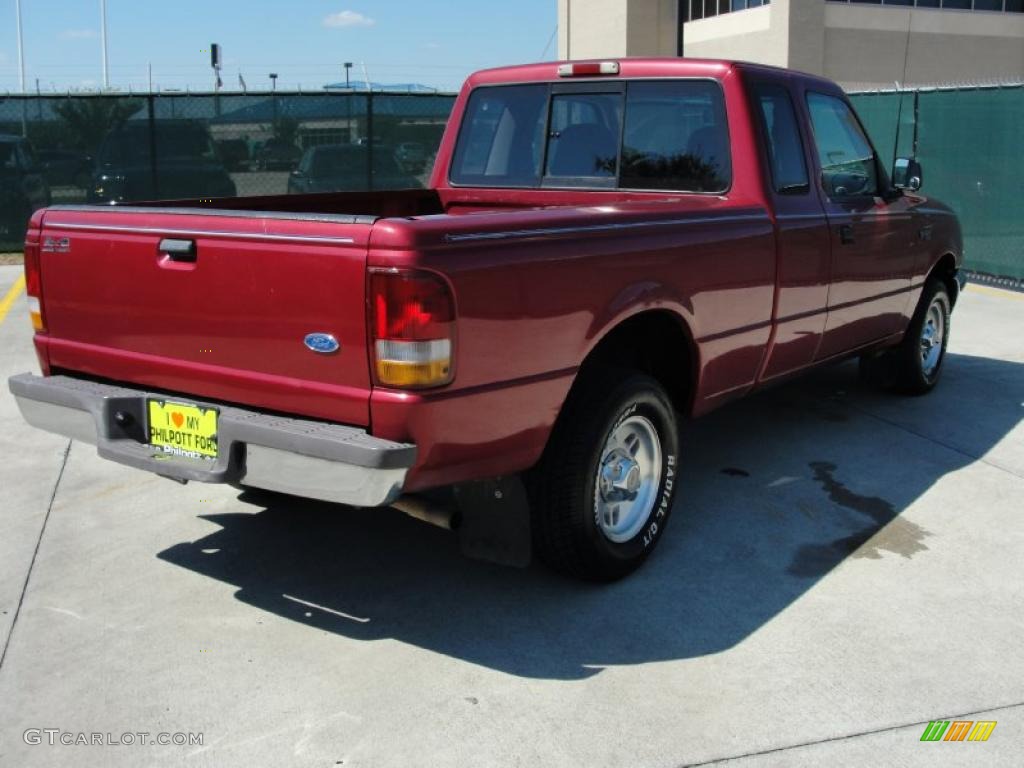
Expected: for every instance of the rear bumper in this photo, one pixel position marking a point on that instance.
(313, 459)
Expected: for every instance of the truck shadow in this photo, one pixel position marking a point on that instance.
(779, 489)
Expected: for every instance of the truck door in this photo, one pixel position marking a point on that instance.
(804, 258)
(873, 236)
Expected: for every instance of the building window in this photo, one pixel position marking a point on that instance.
(694, 10)
(1008, 6)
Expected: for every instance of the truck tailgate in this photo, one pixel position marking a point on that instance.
(211, 303)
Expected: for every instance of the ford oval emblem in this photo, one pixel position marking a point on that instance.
(323, 343)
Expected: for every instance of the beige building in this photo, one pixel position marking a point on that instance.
(860, 44)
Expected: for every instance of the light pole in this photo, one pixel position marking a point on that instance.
(348, 103)
(103, 43)
(20, 47)
(21, 69)
(273, 102)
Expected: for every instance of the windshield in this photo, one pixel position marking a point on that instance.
(644, 135)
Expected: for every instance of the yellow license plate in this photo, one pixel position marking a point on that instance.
(183, 430)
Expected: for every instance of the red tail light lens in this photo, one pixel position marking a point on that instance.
(34, 283)
(412, 322)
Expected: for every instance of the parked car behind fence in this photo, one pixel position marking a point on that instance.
(66, 167)
(411, 156)
(344, 167)
(276, 155)
(23, 188)
(170, 159)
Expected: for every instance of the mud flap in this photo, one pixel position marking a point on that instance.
(495, 521)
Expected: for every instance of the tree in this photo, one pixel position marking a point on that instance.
(89, 119)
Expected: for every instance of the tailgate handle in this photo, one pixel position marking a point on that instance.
(178, 250)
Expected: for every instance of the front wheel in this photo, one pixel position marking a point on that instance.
(603, 492)
(915, 365)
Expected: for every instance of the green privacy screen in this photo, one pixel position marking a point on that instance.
(120, 148)
(103, 148)
(971, 146)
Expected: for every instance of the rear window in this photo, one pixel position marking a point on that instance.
(583, 138)
(501, 141)
(657, 135)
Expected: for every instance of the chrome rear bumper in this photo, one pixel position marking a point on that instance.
(313, 459)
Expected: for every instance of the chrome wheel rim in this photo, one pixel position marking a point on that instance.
(932, 334)
(628, 476)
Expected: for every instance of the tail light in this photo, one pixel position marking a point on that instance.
(34, 284)
(412, 322)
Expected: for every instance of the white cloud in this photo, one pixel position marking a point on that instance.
(77, 34)
(432, 46)
(348, 19)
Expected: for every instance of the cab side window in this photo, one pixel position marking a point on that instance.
(847, 161)
(782, 137)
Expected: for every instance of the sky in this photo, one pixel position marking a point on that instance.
(433, 42)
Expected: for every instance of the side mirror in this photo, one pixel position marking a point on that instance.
(906, 174)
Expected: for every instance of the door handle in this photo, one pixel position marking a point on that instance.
(178, 250)
(846, 234)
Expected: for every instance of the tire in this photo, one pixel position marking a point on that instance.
(601, 526)
(914, 367)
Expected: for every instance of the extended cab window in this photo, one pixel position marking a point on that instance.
(782, 137)
(675, 138)
(501, 142)
(847, 159)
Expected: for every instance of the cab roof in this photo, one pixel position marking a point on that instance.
(638, 68)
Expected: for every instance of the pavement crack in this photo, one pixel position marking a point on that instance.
(35, 553)
(845, 737)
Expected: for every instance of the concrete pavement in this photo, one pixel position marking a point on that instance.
(843, 567)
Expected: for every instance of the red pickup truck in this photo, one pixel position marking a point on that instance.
(604, 248)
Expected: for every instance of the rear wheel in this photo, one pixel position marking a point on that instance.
(914, 366)
(603, 492)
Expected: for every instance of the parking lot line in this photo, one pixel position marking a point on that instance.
(12, 294)
(993, 291)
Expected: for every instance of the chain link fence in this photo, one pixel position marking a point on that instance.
(121, 148)
(969, 142)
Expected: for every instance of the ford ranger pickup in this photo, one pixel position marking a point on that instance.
(604, 248)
